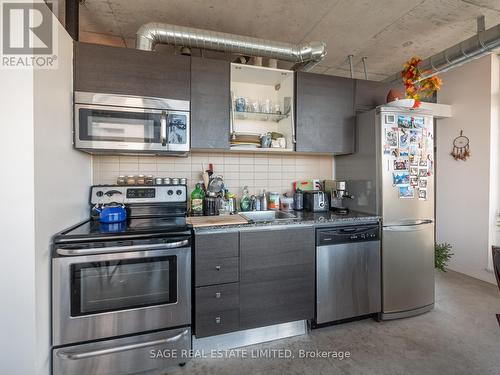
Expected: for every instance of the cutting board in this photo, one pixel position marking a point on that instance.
(210, 221)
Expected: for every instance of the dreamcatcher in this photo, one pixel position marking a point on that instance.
(461, 147)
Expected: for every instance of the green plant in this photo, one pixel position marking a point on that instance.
(442, 255)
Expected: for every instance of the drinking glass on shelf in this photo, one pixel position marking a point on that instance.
(240, 104)
(255, 106)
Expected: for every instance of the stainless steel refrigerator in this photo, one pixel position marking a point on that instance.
(391, 174)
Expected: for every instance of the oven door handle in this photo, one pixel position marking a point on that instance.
(121, 249)
(118, 349)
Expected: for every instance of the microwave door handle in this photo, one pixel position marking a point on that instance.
(122, 348)
(163, 128)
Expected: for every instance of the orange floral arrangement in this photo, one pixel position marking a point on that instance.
(416, 87)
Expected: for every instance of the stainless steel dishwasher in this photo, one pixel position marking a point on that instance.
(348, 282)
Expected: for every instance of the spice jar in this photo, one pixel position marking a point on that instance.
(121, 180)
(130, 180)
(150, 180)
(158, 180)
(140, 180)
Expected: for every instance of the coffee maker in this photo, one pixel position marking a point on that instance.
(338, 192)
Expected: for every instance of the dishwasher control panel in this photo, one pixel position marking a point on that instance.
(352, 233)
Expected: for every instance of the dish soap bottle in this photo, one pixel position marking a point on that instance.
(245, 200)
(197, 197)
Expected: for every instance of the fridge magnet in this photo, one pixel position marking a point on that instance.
(413, 171)
(400, 178)
(413, 150)
(403, 152)
(418, 122)
(422, 172)
(404, 121)
(395, 152)
(415, 136)
(413, 160)
(422, 183)
(403, 138)
(461, 147)
(400, 165)
(422, 163)
(391, 137)
(413, 181)
(422, 194)
(387, 150)
(406, 192)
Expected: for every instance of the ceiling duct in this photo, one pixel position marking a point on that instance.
(477, 46)
(304, 55)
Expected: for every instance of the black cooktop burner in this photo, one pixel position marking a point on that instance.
(135, 227)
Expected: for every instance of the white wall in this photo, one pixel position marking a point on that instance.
(463, 213)
(62, 179)
(17, 265)
(47, 191)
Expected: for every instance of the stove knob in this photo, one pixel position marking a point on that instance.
(178, 192)
(170, 192)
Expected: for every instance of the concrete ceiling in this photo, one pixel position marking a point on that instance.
(387, 32)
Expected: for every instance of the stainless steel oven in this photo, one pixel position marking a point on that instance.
(116, 288)
(130, 124)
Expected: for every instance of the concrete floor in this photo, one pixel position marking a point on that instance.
(460, 336)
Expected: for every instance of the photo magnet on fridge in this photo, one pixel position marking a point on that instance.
(403, 152)
(422, 183)
(404, 121)
(391, 137)
(422, 195)
(413, 171)
(404, 137)
(422, 172)
(413, 150)
(415, 136)
(418, 122)
(406, 192)
(401, 178)
(413, 181)
(401, 165)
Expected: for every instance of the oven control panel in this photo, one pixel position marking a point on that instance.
(104, 194)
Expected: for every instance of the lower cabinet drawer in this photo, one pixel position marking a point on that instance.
(216, 271)
(217, 322)
(217, 298)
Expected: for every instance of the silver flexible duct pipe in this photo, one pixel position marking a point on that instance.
(475, 47)
(305, 55)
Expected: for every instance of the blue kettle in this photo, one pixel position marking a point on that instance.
(111, 213)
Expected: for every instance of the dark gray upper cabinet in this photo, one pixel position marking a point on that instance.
(128, 71)
(277, 276)
(325, 114)
(210, 101)
(370, 94)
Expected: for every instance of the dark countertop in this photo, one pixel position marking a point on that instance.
(303, 218)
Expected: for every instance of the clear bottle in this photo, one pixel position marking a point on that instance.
(245, 202)
(197, 197)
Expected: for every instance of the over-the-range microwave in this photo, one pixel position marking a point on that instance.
(110, 123)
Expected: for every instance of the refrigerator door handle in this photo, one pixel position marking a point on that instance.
(409, 223)
(408, 227)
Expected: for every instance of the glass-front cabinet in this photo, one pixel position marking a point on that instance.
(262, 110)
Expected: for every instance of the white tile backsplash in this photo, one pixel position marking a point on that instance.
(257, 171)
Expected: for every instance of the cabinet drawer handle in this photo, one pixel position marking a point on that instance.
(217, 295)
(218, 320)
(217, 268)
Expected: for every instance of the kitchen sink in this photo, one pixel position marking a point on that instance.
(262, 216)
